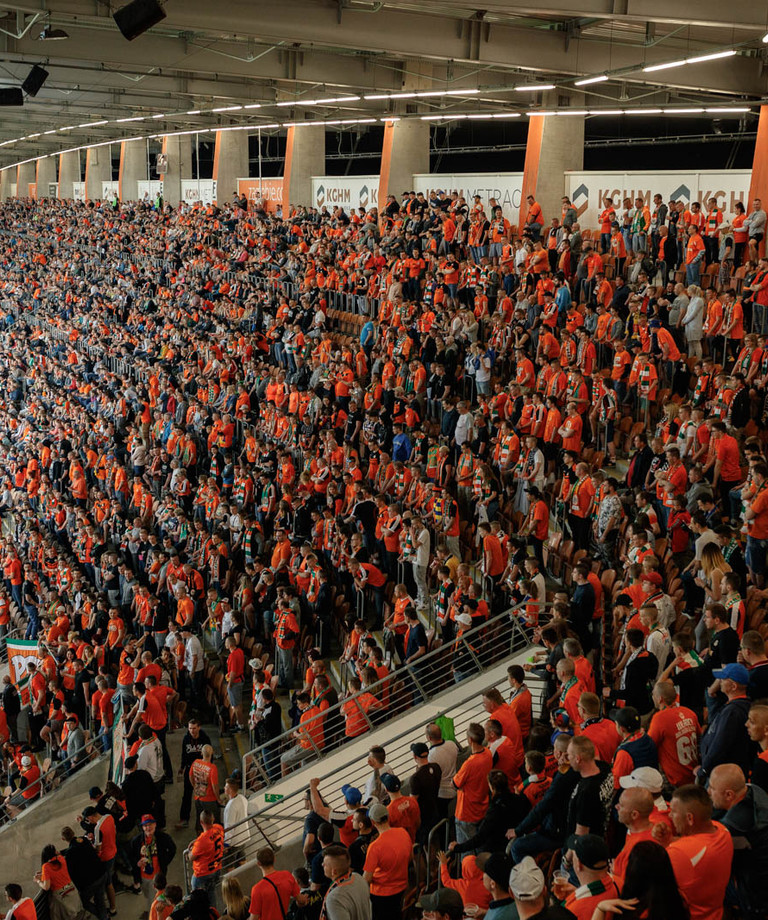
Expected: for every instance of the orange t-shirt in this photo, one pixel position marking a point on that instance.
(471, 783)
(388, 859)
(702, 867)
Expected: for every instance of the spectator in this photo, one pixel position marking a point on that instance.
(701, 855)
(151, 852)
(386, 865)
(206, 852)
(348, 897)
(272, 895)
(743, 810)
(471, 783)
(726, 739)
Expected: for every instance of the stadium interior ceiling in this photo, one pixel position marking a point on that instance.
(236, 62)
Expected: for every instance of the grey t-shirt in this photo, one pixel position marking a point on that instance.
(349, 900)
(445, 755)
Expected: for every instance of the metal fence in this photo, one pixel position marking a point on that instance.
(426, 678)
(278, 823)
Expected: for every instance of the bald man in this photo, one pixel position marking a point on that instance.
(634, 810)
(745, 815)
(757, 727)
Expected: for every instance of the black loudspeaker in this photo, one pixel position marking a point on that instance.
(11, 96)
(135, 18)
(34, 82)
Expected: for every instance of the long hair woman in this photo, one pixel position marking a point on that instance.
(650, 889)
(235, 902)
(53, 877)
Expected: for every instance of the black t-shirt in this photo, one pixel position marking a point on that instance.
(192, 747)
(425, 785)
(591, 800)
(316, 874)
(723, 648)
(358, 850)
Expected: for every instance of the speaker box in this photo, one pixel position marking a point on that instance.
(11, 96)
(34, 82)
(135, 18)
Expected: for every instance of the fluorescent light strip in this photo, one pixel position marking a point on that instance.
(734, 110)
(588, 80)
(193, 112)
(90, 124)
(253, 105)
(699, 59)
(655, 67)
(573, 112)
(135, 118)
(642, 111)
(228, 108)
(161, 116)
(682, 111)
(533, 87)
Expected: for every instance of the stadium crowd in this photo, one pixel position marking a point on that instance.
(363, 436)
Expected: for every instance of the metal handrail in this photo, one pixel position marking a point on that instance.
(428, 677)
(56, 775)
(276, 820)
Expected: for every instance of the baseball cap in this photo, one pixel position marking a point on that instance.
(643, 778)
(627, 718)
(26, 761)
(254, 663)
(419, 749)
(653, 577)
(735, 672)
(496, 866)
(390, 782)
(352, 794)
(378, 812)
(148, 819)
(526, 880)
(463, 619)
(591, 850)
(444, 901)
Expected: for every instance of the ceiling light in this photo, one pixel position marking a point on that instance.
(162, 115)
(285, 103)
(642, 111)
(764, 39)
(90, 124)
(508, 115)
(668, 66)
(709, 57)
(733, 110)
(193, 112)
(403, 95)
(461, 92)
(573, 112)
(445, 116)
(337, 99)
(537, 112)
(228, 108)
(393, 118)
(50, 34)
(52, 131)
(135, 118)
(587, 80)
(533, 87)
(254, 105)
(682, 111)
(377, 96)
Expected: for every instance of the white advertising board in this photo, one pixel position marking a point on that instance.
(588, 189)
(149, 189)
(78, 191)
(110, 191)
(194, 191)
(506, 188)
(347, 192)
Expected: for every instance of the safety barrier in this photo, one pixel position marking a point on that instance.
(466, 656)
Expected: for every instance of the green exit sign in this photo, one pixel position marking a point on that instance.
(273, 797)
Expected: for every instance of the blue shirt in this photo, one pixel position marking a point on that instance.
(367, 332)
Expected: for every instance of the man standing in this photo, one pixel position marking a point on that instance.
(634, 810)
(348, 897)
(676, 731)
(726, 739)
(272, 895)
(471, 783)
(151, 853)
(191, 746)
(237, 831)
(702, 853)
(743, 809)
(206, 853)
(386, 865)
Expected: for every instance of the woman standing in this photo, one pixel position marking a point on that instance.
(53, 877)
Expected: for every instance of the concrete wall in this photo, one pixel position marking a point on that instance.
(22, 841)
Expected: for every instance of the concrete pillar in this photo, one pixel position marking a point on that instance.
(758, 185)
(69, 173)
(178, 149)
(555, 144)
(98, 169)
(230, 163)
(133, 169)
(405, 151)
(6, 177)
(304, 158)
(46, 176)
(25, 176)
